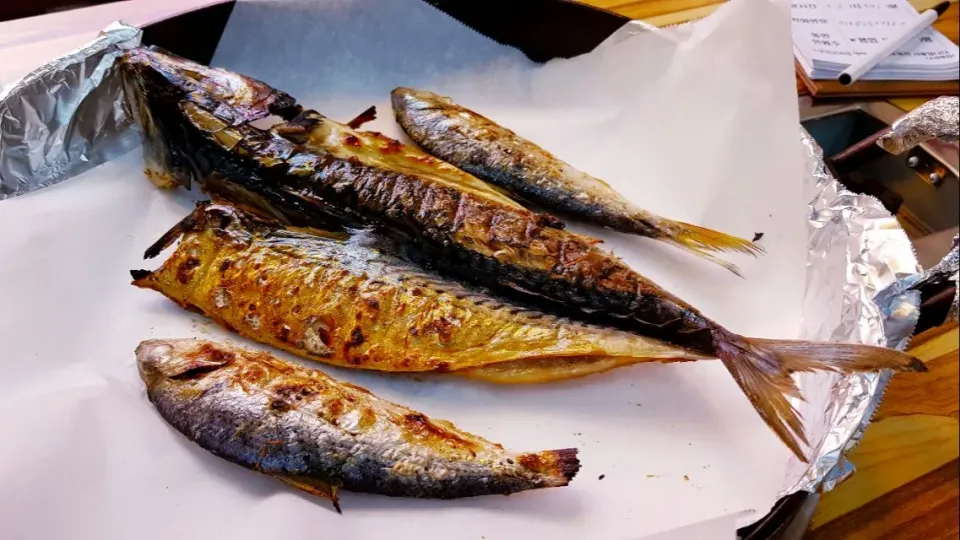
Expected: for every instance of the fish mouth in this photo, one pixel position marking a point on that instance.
(179, 358)
(151, 354)
(402, 97)
(140, 274)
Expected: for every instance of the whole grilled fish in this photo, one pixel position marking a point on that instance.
(311, 168)
(493, 153)
(349, 301)
(319, 434)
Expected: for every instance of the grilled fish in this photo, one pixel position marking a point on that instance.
(298, 170)
(319, 434)
(493, 153)
(349, 301)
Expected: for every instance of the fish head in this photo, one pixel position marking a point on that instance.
(403, 99)
(233, 97)
(162, 92)
(166, 361)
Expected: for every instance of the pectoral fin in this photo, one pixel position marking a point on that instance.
(368, 115)
(314, 487)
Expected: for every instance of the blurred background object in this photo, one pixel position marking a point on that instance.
(16, 9)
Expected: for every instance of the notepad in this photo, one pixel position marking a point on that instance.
(829, 35)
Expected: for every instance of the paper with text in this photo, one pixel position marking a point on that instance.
(828, 36)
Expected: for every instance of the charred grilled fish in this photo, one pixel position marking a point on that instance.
(318, 434)
(493, 153)
(311, 168)
(348, 301)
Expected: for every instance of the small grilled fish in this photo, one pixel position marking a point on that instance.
(493, 153)
(311, 168)
(349, 301)
(319, 434)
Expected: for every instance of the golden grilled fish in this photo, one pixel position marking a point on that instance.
(311, 169)
(319, 434)
(493, 153)
(349, 301)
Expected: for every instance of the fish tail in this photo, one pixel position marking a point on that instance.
(763, 369)
(562, 465)
(700, 241)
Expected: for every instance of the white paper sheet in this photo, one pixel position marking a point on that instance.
(700, 126)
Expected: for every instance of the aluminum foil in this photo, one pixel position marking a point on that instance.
(897, 298)
(70, 108)
(854, 236)
(66, 116)
(935, 119)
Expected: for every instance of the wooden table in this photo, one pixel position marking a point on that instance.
(908, 475)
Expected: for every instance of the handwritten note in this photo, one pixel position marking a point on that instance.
(829, 35)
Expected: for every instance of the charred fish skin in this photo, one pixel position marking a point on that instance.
(472, 234)
(156, 86)
(496, 154)
(349, 301)
(298, 171)
(319, 434)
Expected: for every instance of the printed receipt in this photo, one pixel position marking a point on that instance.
(840, 31)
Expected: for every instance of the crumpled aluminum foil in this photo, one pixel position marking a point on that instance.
(852, 236)
(898, 298)
(949, 268)
(71, 109)
(935, 119)
(66, 116)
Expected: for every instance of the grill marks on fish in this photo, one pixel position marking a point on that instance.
(496, 154)
(318, 434)
(353, 303)
(466, 229)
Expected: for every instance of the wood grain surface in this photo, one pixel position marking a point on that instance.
(894, 516)
(906, 484)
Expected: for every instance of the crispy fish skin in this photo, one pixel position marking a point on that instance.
(342, 301)
(470, 231)
(493, 153)
(319, 434)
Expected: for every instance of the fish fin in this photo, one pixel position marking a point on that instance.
(763, 369)
(368, 115)
(556, 467)
(700, 240)
(567, 463)
(186, 224)
(313, 486)
(707, 256)
(547, 370)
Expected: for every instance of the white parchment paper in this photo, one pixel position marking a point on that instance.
(699, 125)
